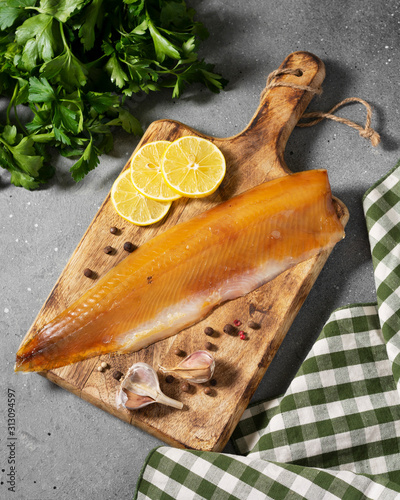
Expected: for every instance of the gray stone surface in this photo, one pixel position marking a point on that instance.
(68, 449)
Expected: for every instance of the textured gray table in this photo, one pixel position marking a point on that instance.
(66, 448)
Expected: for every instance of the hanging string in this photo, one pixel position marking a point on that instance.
(367, 132)
(316, 116)
(288, 71)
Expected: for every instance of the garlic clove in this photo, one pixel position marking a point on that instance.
(141, 387)
(198, 367)
(134, 401)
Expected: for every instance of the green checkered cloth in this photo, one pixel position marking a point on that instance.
(382, 213)
(335, 433)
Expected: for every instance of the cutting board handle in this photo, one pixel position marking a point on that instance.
(281, 108)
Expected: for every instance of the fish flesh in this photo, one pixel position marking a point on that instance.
(176, 279)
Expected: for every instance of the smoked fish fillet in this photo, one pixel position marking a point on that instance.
(178, 277)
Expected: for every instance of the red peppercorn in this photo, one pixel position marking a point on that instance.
(237, 322)
(242, 335)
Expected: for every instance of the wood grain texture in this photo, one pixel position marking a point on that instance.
(207, 421)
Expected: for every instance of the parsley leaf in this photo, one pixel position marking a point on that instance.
(87, 162)
(40, 90)
(60, 9)
(101, 102)
(92, 17)
(162, 46)
(66, 69)
(11, 10)
(127, 121)
(37, 38)
(117, 74)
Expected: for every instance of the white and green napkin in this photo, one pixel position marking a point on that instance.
(335, 433)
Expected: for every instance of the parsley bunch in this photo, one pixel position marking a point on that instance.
(73, 63)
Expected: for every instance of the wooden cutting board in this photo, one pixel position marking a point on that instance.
(207, 421)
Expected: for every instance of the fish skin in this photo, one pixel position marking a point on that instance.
(178, 277)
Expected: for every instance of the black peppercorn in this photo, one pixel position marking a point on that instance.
(108, 250)
(169, 379)
(213, 382)
(129, 247)
(117, 375)
(88, 273)
(230, 329)
(207, 390)
(178, 352)
(208, 346)
(209, 331)
(113, 230)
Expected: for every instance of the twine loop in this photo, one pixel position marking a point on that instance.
(367, 132)
(271, 83)
(316, 116)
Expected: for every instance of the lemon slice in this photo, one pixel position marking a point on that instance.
(132, 205)
(193, 167)
(146, 172)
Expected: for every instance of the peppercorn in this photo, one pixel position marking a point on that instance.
(237, 322)
(213, 382)
(129, 247)
(185, 387)
(108, 250)
(169, 379)
(208, 346)
(253, 325)
(117, 375)
(88, 273)
(104, 364)
(230, 329)
(207, 390)
(242, 335)
(113, 230)
(178, 352)
(100, 368)
(209, 331)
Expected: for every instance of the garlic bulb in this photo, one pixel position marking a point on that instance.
(198, 367)
(141, 387)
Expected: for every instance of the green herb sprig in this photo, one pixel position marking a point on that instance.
(73, 64)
